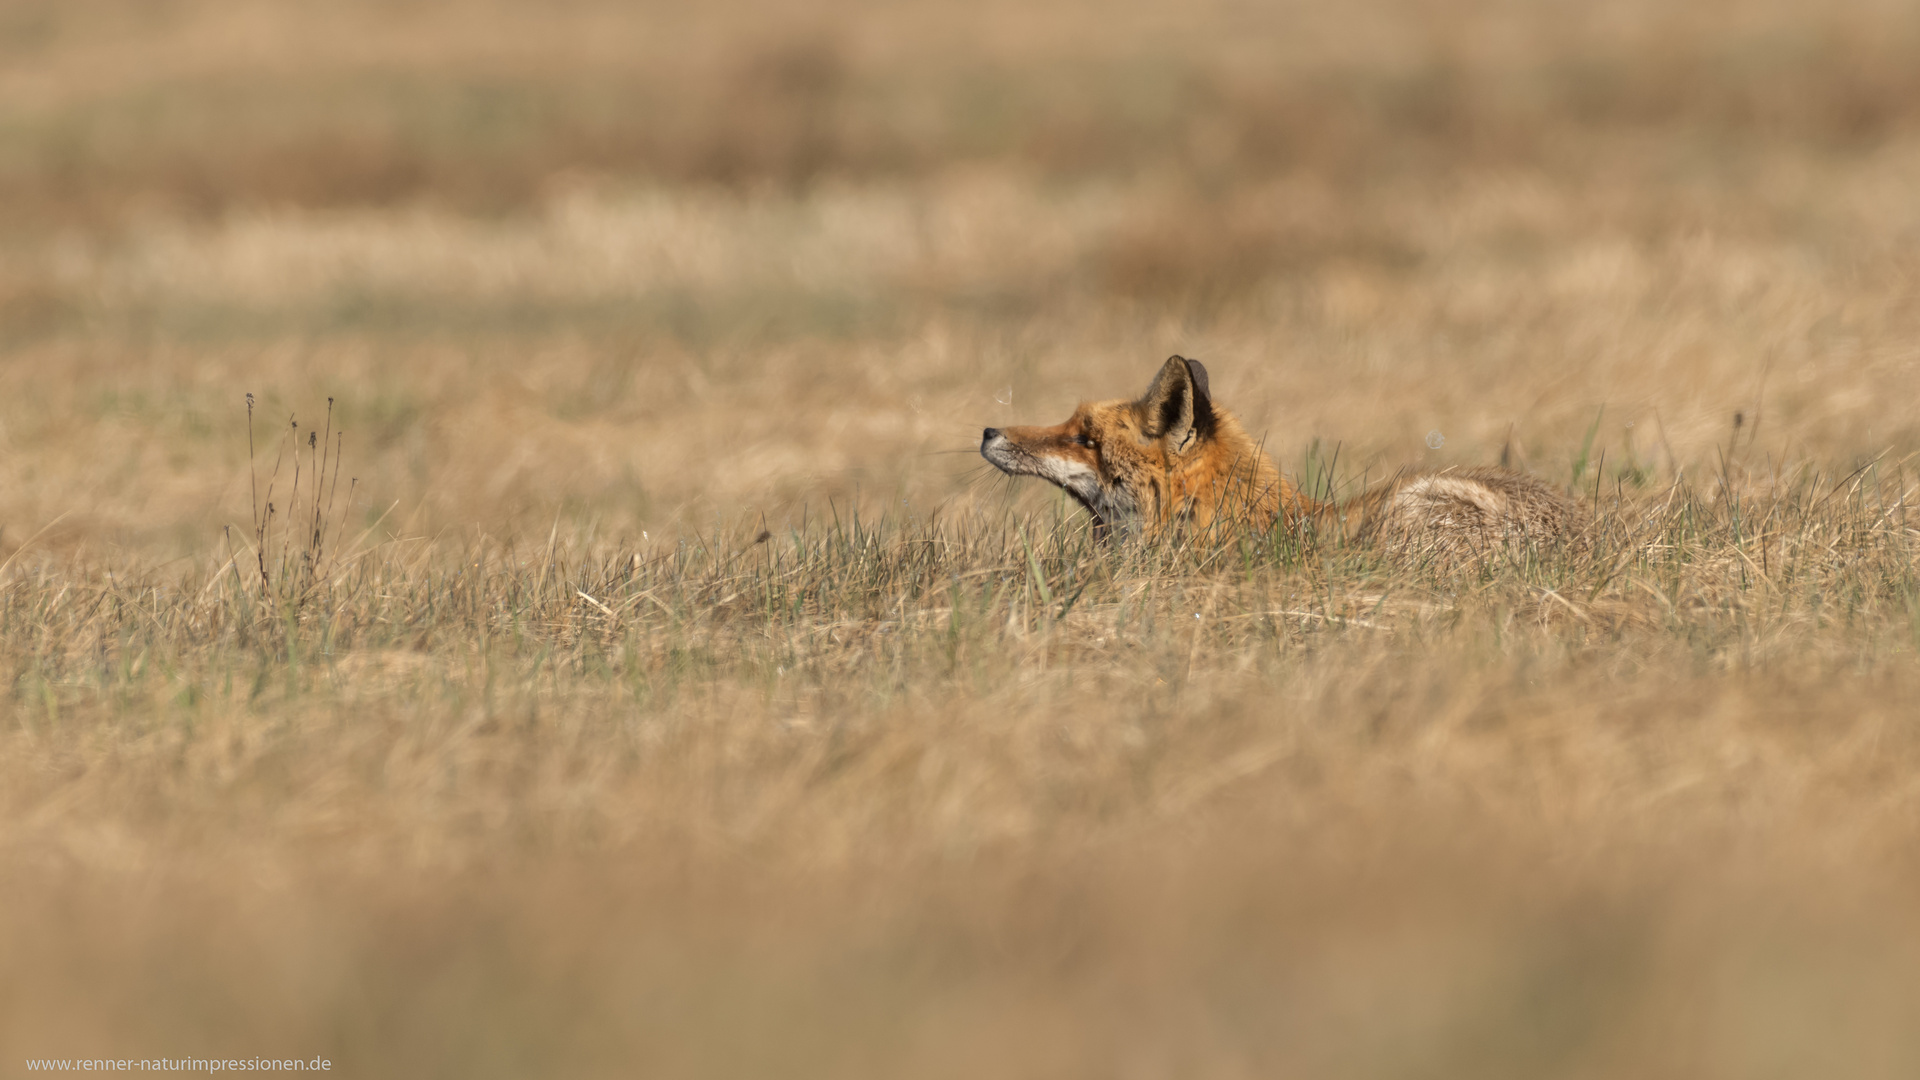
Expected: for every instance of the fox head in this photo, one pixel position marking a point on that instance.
(1169, 457)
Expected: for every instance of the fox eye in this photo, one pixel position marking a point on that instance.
(1084, 440)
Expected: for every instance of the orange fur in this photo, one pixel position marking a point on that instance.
(1172, 458)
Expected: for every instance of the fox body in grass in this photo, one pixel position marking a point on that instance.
(1174, 459)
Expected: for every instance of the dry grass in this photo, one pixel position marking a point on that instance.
(913, 798)
(541, 760)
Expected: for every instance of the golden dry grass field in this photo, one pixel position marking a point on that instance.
(523, 752)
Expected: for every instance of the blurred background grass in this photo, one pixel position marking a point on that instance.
(674, 264)
(623, 281)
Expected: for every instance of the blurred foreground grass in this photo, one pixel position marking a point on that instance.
(925, 798)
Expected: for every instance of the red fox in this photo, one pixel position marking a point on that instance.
(1174, 459)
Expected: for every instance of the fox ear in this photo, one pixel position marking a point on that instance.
(1202, 397)
(1178, 407)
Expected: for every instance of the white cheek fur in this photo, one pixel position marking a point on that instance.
(1112, 503)
(1075, 476)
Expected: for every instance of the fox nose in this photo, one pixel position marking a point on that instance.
(989, 434)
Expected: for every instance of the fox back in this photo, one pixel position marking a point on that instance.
(1173, 458)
